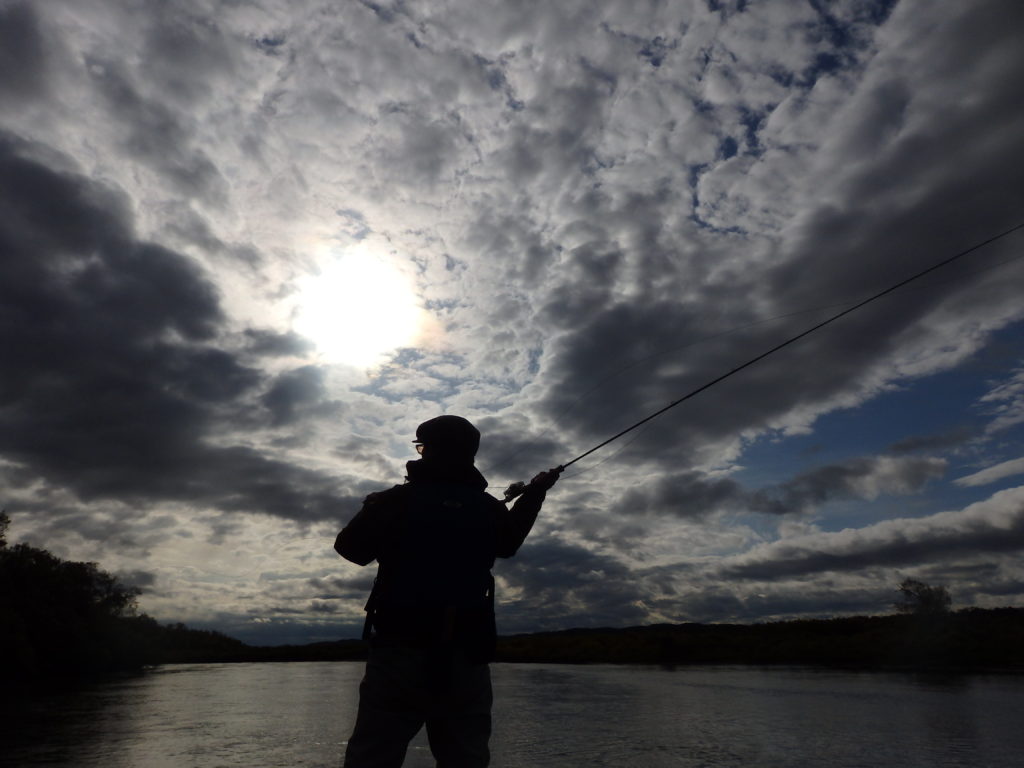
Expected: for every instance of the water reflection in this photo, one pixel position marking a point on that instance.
(58, 724)
(545, 715)
(192, 715)
(744, 716)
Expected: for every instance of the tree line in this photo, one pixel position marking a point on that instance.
(968, 639)
(924, 634)
(60, 618)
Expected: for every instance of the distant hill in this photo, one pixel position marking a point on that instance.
(970, 639)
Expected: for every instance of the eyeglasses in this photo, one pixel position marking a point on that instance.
(419, 448)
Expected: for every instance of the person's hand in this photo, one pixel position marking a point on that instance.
(545, 480)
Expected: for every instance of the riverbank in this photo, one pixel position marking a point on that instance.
(968, 639)
(972, 638)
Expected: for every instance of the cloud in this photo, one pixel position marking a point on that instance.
(703, 283)
(991, 526)
(552, 583)
(861, 478)
(139, 579)
(23, 60)
(273, 344)
(936, 442)
(299, 391)
(693, 494)
(686, 494)
(602, 207)
(1005, 403)
(992, 474)
(342, 588)
(116, 385)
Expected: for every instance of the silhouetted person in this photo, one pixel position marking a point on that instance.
(430, 616)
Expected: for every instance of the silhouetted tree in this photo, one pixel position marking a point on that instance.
(59, 617)
(922, 599)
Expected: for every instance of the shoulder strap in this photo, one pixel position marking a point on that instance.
(370, 611)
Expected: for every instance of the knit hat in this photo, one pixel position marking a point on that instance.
(452, 435)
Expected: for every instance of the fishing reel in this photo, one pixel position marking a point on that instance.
(517, 488)
(514, 490)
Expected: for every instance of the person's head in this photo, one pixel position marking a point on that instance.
(451, 438)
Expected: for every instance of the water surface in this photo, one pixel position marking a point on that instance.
(300, 714)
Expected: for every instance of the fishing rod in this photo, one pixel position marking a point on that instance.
(515, 489)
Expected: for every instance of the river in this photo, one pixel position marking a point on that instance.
(299, 714)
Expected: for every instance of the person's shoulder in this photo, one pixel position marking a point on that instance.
(388, 496)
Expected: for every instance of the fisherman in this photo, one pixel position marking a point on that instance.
(430, 616)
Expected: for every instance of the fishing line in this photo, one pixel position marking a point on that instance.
(904, 290)
(611, 456)
(796, 338)
(895, 289)
(615, 374)
(557, 419)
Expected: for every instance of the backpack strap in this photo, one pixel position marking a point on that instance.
(370, 609)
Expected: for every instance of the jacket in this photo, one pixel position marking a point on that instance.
(435, 540)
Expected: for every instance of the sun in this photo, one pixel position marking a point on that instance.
(359, 308)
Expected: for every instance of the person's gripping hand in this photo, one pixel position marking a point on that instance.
(544, 480)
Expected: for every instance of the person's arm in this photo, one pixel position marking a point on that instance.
(360, 540)
(514, 524)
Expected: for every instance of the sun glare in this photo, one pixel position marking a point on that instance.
(358, 309)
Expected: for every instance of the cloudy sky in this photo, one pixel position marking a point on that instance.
(246, 247)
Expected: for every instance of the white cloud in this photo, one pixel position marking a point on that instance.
(1005, 403)
(992, 474)
(994, 525)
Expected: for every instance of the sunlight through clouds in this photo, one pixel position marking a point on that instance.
(359, 308)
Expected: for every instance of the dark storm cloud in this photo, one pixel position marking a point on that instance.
(112, 386)
(858, 478)
(274, 344)
(944, 573)
(1000, 588)
(565, 585)
(508, 453)
(588, 394)
(297, 393)
(141, 579)
(687, 494)
(694, 494)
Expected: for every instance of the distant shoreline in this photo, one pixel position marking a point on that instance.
(62, 620)
(971, 639)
